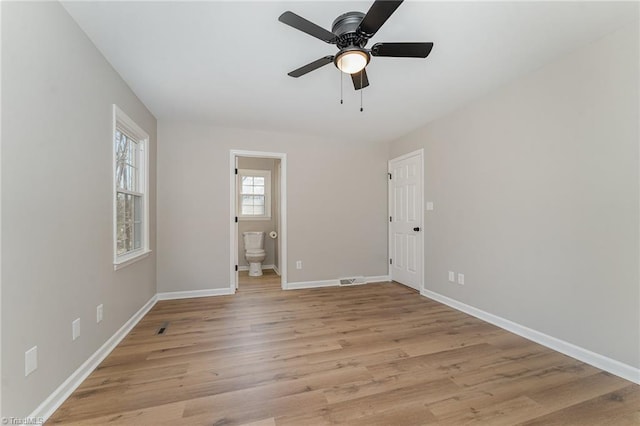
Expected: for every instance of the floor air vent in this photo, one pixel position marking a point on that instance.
(163, 327)
(352, 281)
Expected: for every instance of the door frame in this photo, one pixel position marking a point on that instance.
(419, 153)
(233, 205)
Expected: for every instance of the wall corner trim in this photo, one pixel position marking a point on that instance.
(173, 295)
(602, 362)
(58, 396)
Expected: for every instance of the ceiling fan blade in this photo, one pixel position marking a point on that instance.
(360, 80)
(402, 50)
(299, 23)
(312, 66)
(377, 15)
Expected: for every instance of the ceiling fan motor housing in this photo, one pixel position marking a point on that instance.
(345, 26)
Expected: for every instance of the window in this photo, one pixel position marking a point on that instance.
(254, 199)
(131, 225)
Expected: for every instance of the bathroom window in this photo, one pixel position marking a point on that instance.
(254, 198)
(130, 158)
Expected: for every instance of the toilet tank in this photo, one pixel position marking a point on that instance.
(253, 240)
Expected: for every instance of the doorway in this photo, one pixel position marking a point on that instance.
(406, 218)
(258, 206)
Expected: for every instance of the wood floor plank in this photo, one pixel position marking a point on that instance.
(621, 408)
(359, 355)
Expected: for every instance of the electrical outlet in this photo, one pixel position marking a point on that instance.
(30, 360)
(75, 329)
(99, 313)
(429, 205)
(461, 279)
(299, 264)
(452, 276)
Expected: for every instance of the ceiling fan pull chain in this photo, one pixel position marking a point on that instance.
(341, 79)
(361, 90)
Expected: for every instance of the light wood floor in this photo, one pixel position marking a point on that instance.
(376, 354)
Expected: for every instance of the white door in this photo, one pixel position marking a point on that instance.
(406, 242)
(236, 229)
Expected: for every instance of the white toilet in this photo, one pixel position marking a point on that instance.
(254, 252)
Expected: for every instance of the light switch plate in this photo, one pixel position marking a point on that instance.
(429, 205)
(452, 276)
(75, 329)
(99, 313)
(461, 279)
(30, 360)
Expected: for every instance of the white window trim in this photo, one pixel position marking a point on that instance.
(123, 120)
(267, 193)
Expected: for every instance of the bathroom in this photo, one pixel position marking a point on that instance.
(258, 195)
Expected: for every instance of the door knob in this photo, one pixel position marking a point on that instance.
(416, 229)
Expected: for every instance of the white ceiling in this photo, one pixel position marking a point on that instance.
(226, 63)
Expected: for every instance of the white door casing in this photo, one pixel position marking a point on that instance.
(233, 199)
(406, 212)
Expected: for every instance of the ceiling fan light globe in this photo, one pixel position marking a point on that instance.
(352, 61)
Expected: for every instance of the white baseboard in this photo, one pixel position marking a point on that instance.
(377, 279)
(173, 295)
(311, 284)
(276, 270)
(246, 268)
(332, 283)
(55, 400)
(600, 361)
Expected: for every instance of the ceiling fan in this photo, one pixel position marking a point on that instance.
(350, 32)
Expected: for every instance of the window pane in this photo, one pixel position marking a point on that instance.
(137, 235)
(120, 210)
(120, 247)
(128, 237)
(128, 209)
(137, 214)
(258, 210)
(258, 189)
(257, 180)
(119, 144)
(247, 200)
(258, 200)
(127, 177)
(247, 189)
(128, 222)
(247, 210)
(120, 174)
(137, 225)
(133, 179)
(131, 152)
(126, 183)
(247, 180)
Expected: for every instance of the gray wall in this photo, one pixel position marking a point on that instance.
(266, 226)
(536, 193)
(57, 96)
(337, 204)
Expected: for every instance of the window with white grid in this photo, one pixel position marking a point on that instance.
(254, 195)
(131, 229)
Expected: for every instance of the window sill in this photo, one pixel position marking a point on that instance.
(130, 259)
(243, 218)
